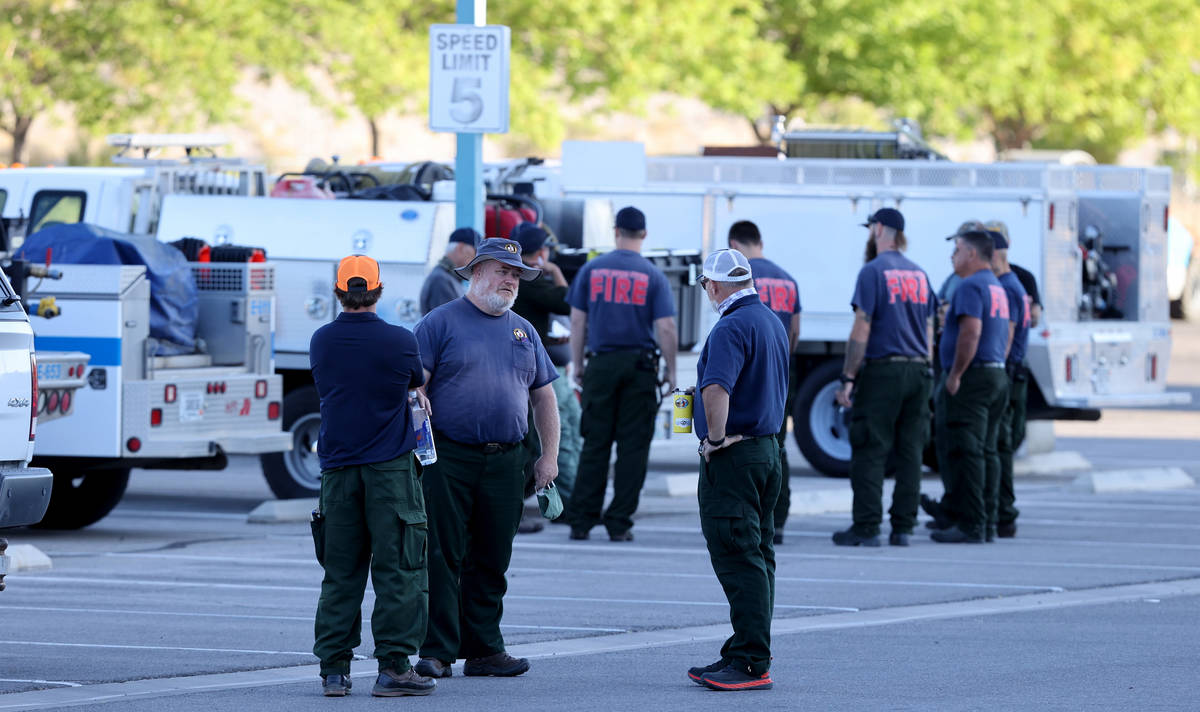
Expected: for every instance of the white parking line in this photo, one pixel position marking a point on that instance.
(126, 512)
(314, 589)
(306, 619)
(872, 556)
(164, 687)
(43, 682)
(107, 646)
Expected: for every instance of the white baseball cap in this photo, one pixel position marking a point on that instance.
(726, 266)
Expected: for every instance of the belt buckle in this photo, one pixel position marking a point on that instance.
(491, 448)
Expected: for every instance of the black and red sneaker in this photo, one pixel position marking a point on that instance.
(730, 678)
(694, 674)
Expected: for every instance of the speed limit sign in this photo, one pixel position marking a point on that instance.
(468, 78)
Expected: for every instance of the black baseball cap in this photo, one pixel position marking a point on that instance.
(466, 235)
(531, 236)
(888, 217)
(631, 219)
(998, 241)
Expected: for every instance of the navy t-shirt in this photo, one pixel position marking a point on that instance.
(746, 353)
(981, 296)
(363, 368)
(1019, 304)
(776, 289)
(622, 293)
(895, 293)
(482, 368)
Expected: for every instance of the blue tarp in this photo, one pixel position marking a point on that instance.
(173, 302)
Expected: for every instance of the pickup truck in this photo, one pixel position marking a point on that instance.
(24, 490)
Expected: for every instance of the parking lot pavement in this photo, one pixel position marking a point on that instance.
(176, 592)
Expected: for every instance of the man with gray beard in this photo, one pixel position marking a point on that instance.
(483, 366)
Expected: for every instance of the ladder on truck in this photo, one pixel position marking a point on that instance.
(199, 171)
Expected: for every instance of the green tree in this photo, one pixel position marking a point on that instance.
(113, 62)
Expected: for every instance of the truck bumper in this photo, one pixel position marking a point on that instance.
(1131, 400)
(24, 496)
(230, 444)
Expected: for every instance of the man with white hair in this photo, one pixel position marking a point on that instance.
(483, 366)
(442, 284)
(742, 381)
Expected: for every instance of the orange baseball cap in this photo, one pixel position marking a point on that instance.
(359, 266)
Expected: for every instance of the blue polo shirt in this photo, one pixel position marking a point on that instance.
(622, 293)
(363, 368)
(895, 293)
(1019, 307)
(981, 296)
(776, 288)
(746, 353)
(482, 368)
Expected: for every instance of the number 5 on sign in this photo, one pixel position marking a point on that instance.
(468, 78)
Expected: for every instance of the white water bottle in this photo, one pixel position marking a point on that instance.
(425, 451)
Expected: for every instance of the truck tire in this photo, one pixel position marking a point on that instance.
(1187, 307)
(297, 473)
(83, 497)
(821, 427)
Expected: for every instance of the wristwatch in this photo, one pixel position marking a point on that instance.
(843, 378)
(714, 443)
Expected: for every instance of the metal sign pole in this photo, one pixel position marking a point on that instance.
(468, 162)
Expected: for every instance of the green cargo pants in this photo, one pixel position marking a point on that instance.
(374, 519)
(1012, 434)
(891, 414)
(570, 442)
(474, 509)
(737, 491)
(619, 404)
(970, 425)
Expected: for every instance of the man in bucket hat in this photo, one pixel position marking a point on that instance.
(484, 366)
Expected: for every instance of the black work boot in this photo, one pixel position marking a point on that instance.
(400, 684)
(432, 667)
(1006, 530)
(955, 535)
(336, 685)
(850, 537)
(499, 665)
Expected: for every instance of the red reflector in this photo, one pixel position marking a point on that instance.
(1153, 367)
(1069, 369)
(33, 396)
(155, 417)
(1166, 216)
(1045, 333)
(52, 402)
(1051, 217)
(220, 388)
(64, 403)
(133, 444)
(208, 388)
(273, 410)
(260, 389)
(169, 394)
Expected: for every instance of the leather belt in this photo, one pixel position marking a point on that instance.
(900, 359)
(485, 448)
(986, 364)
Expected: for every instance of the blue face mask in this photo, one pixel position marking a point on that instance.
(550, 502)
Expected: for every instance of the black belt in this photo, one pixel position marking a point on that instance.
(900, 359)
(485, 448)
(987, 364)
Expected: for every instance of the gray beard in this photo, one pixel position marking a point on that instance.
(494, 302)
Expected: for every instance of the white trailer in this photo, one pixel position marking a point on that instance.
(810, 212)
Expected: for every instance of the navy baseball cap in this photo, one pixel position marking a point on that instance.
(998, 240)
(531, 236)
(888, 217)
(967, 228)
(631, 219)
(501, 250)
(466, 235)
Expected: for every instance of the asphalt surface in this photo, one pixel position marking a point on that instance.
(175, 602)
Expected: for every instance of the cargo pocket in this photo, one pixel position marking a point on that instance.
(726, 528)
(414, 539)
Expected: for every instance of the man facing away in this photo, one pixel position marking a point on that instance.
(620, 305)
(372, 509)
